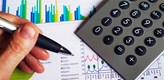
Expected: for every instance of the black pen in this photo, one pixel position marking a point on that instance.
(42, 41)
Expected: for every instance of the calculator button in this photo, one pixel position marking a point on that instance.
(106, 21)
(108, 39)
(147, 23)
(119, 49)
(126, 22)
(128, 40)
(156, 15)
(117, 30)
(138, 31)
(131, 60)
(140, 50)
(159, 32)
(144, 6)
(115, 13)
(161, 7)
(135, 13)
(97, 30)
(150, 41)
(124, 4)
(153, 1)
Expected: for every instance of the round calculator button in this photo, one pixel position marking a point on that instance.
(161, 7)
(117, 30)
(144, 6)
(108, 39)
(150, 41)
(140, 50)
(135, 13)
(156, 15)
(159, 32)
(138, 31)
(97, 30)
(126, 22)
(128, 40)
(106, 21)
(153, 1)
(131, 60)
(147, 23)
(115, 13)
(119, 49)
(124, 4)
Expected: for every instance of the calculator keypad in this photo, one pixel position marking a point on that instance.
(126, 22)
(147, 23)
(159, 32)
(106, 21)
(144, 5)
(124, 5)
(119, 49)
(117, 30)
(126, 33)
(138, 31)
(97, 30)
(135, 13)
(156, 15)
(128, 40)
(108, 39)
(115, 13)
(150, 41)
(140, 50)
(131, 60)
(161, 7)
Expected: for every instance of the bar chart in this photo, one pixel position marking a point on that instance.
(42, 11)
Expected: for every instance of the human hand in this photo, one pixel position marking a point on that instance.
(18, 49)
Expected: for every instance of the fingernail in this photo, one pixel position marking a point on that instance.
(27, 32)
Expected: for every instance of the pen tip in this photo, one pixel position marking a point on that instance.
(72, 55)
(65, 51)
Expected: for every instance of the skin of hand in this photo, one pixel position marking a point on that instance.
(18, 48)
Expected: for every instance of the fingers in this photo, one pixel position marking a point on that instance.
(24, 67)
(4, 39)
(1, 32)
(20, 44)
(34, 63)
(40, 53)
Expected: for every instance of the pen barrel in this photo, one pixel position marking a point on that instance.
(7, 26)
(42, 42)
(46, 43)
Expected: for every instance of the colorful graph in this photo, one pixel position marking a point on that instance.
(4, 6)
(22, 10)
(36, 13)
(40, 12)
(95, 68)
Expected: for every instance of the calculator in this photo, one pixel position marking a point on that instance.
(127, 34)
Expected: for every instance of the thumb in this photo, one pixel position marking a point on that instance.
(20, 44)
